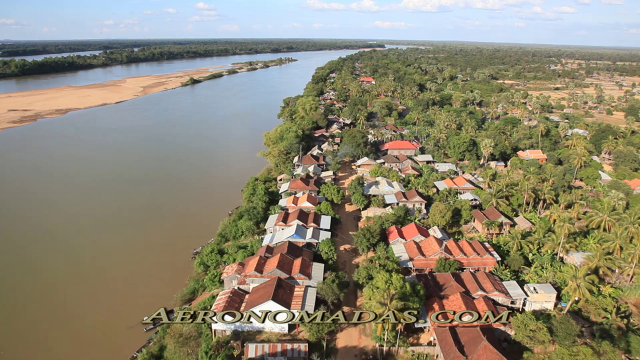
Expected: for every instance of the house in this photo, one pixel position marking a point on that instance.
(276, 351)
(285, 219)
(382, 186)
(423, 159)
(367, 81)
(467, 343)
(305, 184)
(287, 261)
(411, 199)
(368, 215)
(578, 131)
(459, 184)
(419, 251)
(304, 201)
(394, 130)
(635, 185)
(309, 160)
(577, 258)
(391, 161)
(405, 161)
(540, 297)
(328, 176)
(365, 165)
(491, 214)
(282, 179)
(533, 155)
(604, 177)
(409, 170)
(498, 165)
(273, 295)
(523, 224)
(313, 170)
(405, 147)
(439, 233)
(476, 284)
(411, 232)
(445, 167)
(297, 234)
(473, 199)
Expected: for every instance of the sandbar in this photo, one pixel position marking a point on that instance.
(25, 107)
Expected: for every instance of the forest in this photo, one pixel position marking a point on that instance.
(123, 53)
(469, 106)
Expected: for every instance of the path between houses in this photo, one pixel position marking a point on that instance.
(351, 340)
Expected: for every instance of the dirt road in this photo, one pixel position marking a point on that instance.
(352, 340)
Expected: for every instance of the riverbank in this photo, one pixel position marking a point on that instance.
(25, 107)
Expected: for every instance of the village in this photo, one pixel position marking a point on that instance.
(368, 219)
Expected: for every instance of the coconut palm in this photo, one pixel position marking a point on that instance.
(546, 195)
(579, 158)
(601, 262)
(581, 284)
(632, 253)
(386, 300)
(616, 241)
(564, 227)
(542, 130)
(516, 241)
(603, 216)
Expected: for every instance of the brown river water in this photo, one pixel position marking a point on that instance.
(101, 208)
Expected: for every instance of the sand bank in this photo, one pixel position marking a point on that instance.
(25, 107)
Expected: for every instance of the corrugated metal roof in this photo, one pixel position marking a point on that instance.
(309, 300)
(391, 199)
(325, 222)
(285, 187)
(440, 185)
(515, 291)
(271, 221)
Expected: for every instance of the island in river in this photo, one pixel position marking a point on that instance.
(25, 107)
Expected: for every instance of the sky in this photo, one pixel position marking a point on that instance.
(561, 22)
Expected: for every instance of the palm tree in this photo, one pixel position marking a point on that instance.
(564, 228)
(546, 194)
(386, 301)
(579, 157)
(492, 225)
(516, 241)
(603, 216)
(496, 197)
(601, 262)
(580, 283)
(542, 130)
(487, 148)
(616, 241)
(632, 253)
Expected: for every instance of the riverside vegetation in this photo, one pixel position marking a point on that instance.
(467, 105)
(122, 52)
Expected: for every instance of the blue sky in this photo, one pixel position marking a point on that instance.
(580, 22)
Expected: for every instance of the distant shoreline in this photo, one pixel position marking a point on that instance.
(26, 107)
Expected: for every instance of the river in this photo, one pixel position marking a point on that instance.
(100, 208)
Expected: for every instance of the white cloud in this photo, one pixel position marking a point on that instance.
(189, 27)
(581, 32)
(536, 13)
(203, 18)
(294, 25)
(391, 25)
(203, 6)
(443, 5)
(362, 6)
(233, 27)
(108, 22)
(583, 2)
(565, 10)
(170, 10)
(7, 22)
(520, 24)
(632, 31)
(613, 2)
(148, 12)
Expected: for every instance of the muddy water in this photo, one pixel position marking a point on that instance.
(100, 208)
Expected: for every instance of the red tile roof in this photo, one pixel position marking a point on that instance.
(279, 350)
(276, 290)
(410, 170)
(290, 259)
(491, 213)
(311, 219)
(472, 254)
(400, 145)
(409, 232)
(458, 183)
(304, 183)
(231, 299)
(312, 160)
(295, 201)
(468, 343)
(368, 78)
(635, 183)
(531, 154)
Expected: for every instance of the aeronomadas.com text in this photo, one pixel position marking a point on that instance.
(320, 316)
